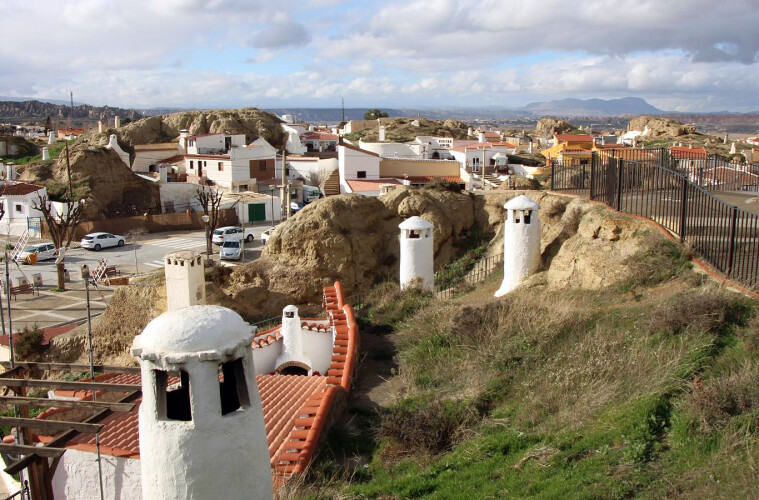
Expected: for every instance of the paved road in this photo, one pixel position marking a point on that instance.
(146, 255)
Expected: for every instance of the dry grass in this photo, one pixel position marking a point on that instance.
(715, 402)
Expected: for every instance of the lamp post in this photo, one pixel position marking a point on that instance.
(242, 240)
(208, 238)
(271, 188)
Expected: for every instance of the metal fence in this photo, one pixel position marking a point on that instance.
(448, 286)
(722, 234)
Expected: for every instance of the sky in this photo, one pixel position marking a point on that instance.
(679, 55)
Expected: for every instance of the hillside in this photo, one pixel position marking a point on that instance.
(405, 129)
(38, 111)
(593, 107)
(165, 128)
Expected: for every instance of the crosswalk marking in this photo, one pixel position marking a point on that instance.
(155, 263)
(176, 243)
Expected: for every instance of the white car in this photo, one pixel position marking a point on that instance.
(231, 250)
(231, 233)
(43, 251)
(96, 241)
(266, 234)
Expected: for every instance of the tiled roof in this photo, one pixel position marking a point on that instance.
(360, 185)
(574, 138)
(356, 148)
(221, 157)
(323, 136)
(724, 175)
(484, 145)
(19, 189)
(162, 146)
(295, 407)
(687, 152)
(429, 178)
(47, 334)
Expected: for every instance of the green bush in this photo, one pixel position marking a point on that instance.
(28, 342)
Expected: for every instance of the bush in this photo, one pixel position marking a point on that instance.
(443, 185)
(388, 305)
(28, 342)
(660, 262)
(432, 425)
(709, 312)
(714, 403)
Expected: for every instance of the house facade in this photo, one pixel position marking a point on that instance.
(226, 161)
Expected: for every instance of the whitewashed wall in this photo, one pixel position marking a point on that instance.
(76, 477)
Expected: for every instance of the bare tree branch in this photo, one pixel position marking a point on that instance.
(61, 226)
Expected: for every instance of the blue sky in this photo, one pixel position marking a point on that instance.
(683, 55)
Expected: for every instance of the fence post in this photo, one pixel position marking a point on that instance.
(683, 208)
(731, 247)
(620, 164)
(593, 160)
(551, 162)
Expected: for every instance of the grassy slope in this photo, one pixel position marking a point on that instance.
(649, 389)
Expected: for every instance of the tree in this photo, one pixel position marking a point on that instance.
(48, 125)
(373, 114)
(209, 199)
(62, 226)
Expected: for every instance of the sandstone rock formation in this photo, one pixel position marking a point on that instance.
(550, 126)
(252, 122)
(658, 126)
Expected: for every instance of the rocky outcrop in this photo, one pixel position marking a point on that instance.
(660, 126)
(549, 126)
(252, 122)
(41, 110)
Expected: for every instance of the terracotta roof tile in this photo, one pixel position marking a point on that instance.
(47, 333)
(356, 148)
(19, 189)
(360, 185)
(574, 138)
(685, 152)
(429, 178)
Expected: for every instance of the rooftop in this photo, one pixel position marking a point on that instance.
(360, 185)
(19, 189)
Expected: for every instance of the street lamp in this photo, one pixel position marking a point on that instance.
(272, 189)
(242, 226)
(208, 238)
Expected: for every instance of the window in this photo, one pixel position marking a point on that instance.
(221, 166)
(191, 165)
(19, 208)
(361, 174)
(172, 402)
(233, 388)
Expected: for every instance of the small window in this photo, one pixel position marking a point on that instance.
(173, 401)
(19, 208)
(414, 234)
(221, 166)
(232, 387)
(192, 165)
(361, 174)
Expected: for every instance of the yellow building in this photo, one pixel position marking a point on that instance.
(570, 149)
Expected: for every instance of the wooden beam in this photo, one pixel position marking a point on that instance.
(51, 425)
(11, 372)
(74, 367)
(64, 403)
(22, 449)
(73, 386)
(64, 438)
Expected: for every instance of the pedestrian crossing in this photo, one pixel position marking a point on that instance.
(177, 243)
(173, 244)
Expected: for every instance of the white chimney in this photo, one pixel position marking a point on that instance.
(292, 360)
(51, 138)
(481, 137)
(10, 171)
(116, 121)
(469, 132)
(382, 133)
(45, 154)
(185, 280)
(163, 173)
(521, 242)
(201, 423)
(100, 127)
(417, 254)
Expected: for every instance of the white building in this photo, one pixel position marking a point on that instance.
(18, 200)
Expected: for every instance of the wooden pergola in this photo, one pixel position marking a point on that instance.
(41, 461)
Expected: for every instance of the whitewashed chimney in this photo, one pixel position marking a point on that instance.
(51, 138)
(521, 242)
(732, 148)
(382, 133)
(116, 121)
(481, 137)
(185, 280)
(201, 425)
(417, 254)
(10, 171)
(100, 126)
(163, 173)
(469, 131)
(45, 154)
(183, 134)
(292, 360)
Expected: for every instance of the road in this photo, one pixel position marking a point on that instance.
(141, 257)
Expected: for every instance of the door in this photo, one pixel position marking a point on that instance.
(256, 212)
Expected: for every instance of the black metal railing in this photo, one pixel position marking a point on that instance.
(722, 234)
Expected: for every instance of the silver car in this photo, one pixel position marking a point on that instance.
(96, 241)
(231, 250)
(42, 251)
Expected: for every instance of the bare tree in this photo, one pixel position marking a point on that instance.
(62, 226)
(209, 199)
(318, 177)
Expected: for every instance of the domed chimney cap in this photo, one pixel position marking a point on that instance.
(196, 332)
(415, 223)
(521, 202)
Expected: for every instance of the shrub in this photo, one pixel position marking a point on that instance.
(656, 264)
(28, 342)
(713, 403)
(388, 305)
(442, 185)
(432, 425)
(709, 312)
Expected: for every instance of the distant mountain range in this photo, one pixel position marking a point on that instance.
(593, 107)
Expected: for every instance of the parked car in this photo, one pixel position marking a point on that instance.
(295, 207)
(222, 234)
(41, 251)
(96, 241)
(266, 234)
(231, 250)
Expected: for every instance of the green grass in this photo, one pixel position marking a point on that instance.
(646, 390)
(54, 149)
